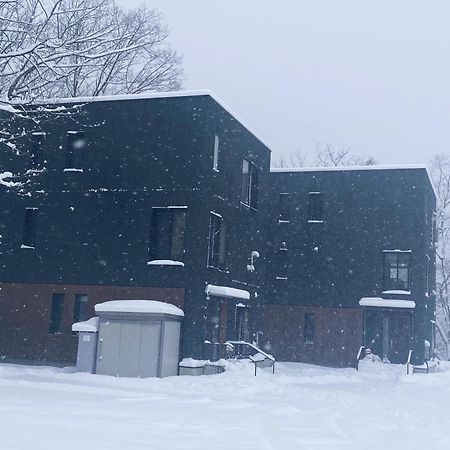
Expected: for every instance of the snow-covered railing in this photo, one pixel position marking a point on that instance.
(254, 358)
(358, 356)
(408, 362)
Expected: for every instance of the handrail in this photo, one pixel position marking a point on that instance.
(358, 356)
(258, 350)
(408, 362)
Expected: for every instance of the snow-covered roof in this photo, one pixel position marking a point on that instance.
(386, 303)
(225, 291)
(90, 325)
(139, 306)
(152, 95)
(349, 168)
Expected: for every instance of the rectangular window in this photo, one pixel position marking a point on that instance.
(397, 270)
(37, 144)
(250, 175)
(315, 207)
(217, 249)
(282, 266)
(433, 229)
(167, 234)
(76, 142)
(29, 228)
(284, 207)
(57, 313)
(308, 335)
(216, 153)
(80, 308)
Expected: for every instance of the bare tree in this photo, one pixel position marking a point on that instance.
(68, 48)
(440, 174)
(297, 159)
(325, 156)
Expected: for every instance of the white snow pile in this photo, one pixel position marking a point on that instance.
(300, 407)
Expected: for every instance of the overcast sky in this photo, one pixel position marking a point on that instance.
(371, 76)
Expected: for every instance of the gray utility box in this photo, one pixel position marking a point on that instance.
(138, 338)
(87, 344)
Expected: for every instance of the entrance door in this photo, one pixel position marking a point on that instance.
(399, 339)
(243, 323)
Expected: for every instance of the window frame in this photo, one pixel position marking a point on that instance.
(284, 207)
(309, 330)
(282, 262)
(315, 207)
(57, 313)
(216, 153)
(217, 234)
(80, 308)
(29, 232)
(249, 184)
(38, 139)
(155, 233)
(388, 284)
(72, 160)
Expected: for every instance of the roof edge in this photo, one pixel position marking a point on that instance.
(349, 168)
(153, 95)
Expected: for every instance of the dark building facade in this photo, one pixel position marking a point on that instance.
(351, 263)
(138, 197)
(170, 197)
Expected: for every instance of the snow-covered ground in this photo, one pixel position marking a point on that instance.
(300, 407)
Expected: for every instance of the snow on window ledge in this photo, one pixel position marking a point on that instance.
(283, 221)
(314, 221)
(27, 246)
(397, 292)
(165, 262)
(72, 170)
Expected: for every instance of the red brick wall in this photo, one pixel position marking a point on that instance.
(338, 334)
(25, 311)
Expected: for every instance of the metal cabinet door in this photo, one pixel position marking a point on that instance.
(170, 352)
(108, 348)
(150, 347)
(129, 349)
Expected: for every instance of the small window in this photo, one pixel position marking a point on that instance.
(80, 308)
(284, 208)
(427, 274)
(308, 335)
(250, 180)
(315, 207)
(57, 313)
(167, 234)
(29, 228)
(397, 270)
(216, 153)
(76, 142)
(282, 266)
(37, 144)
(433, 229)
(217, 248)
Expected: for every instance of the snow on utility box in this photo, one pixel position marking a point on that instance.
(138, 338)
(87, 344)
